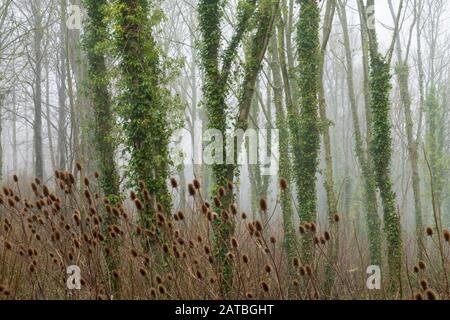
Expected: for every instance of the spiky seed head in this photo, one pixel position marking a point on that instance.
(421, 265)
(191, 189)
(173, 183)
(263, 205)
(301, 229)
(258, 225)
(447, 235)
(283, 184)
(424, 284)
(234, 242)
(431, 295)
(221, 192)
(418, 296)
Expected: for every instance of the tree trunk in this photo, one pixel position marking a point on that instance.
(37, 124)
(373, 220)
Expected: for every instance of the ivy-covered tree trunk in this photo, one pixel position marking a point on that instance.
(402, 71)
(143, 102)
(284, 165)
(381, 152)
(305, 125)
(217, 71)
(434, 140)
(381, 149)
(369, 183)
(93, 42)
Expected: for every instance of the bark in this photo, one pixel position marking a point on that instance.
(329, 175)
(37, 124)
(372, 218)
(285, 166)
(403, 74)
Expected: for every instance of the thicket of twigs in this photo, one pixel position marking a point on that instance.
(44, 229)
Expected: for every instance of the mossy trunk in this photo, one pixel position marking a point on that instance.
(381, 153)
(143, 103)
(100, 100)
(369, 183)
(285, 166)
(304, 122)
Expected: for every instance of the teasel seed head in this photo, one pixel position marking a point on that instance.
(173, 183)
(418, 296)
(283, 184)
(421, 265)
(233, 209)
(191, 189)
(161, 289)
(431, 295)
(217, 202)
(263, 205)
(221, 192)
(308, 270)
(143, 272)
(196, 184)
(258, 225)
(138, 204)
(265, 286)
(424, 284)
(301, 229)
(447, 235)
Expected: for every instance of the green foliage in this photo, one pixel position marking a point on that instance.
(143, 103)
(381, 153)
(217, 73)
(94, 40)
(435, 141)
(305, 125)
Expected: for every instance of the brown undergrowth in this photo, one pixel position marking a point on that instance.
(46, 228)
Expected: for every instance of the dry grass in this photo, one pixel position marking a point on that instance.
(43, 231)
